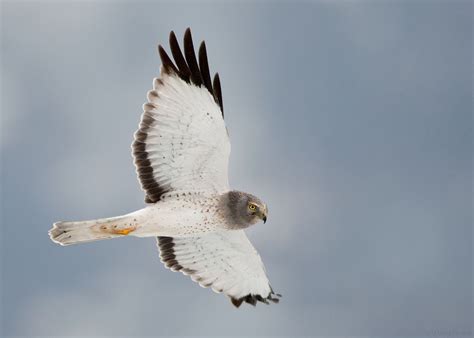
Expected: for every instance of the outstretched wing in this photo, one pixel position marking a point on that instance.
(182, 143)
(226, 261)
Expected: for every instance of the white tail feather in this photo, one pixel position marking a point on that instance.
(66, 233)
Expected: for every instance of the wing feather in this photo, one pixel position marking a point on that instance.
(168, 65)
(218, 93)
(225, 261)
(182, 142)
(191, 58)
(204, 67)
(184, 71)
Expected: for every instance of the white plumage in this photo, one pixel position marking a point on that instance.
(226, 261)
(181, 153)
(187, 140)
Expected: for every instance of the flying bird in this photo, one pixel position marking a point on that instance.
(181, 154)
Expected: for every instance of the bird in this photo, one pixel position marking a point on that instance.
(181, 154)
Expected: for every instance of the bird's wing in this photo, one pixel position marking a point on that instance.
(182, 142)
(226, 261)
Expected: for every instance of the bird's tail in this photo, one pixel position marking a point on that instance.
(66, 233)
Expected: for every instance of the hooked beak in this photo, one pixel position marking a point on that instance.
(264, 214)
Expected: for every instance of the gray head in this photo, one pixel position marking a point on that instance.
(244, 209)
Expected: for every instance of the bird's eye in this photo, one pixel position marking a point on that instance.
(252, 206)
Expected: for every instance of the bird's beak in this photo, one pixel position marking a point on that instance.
(264, 213)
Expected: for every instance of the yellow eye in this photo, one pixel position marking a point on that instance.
(252, 206)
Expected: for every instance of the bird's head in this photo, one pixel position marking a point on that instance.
(255, 210)
(246, 209)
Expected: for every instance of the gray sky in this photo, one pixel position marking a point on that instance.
(353, 121)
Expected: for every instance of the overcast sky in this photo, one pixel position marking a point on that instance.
(352, 120)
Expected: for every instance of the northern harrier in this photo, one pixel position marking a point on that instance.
(181, 152)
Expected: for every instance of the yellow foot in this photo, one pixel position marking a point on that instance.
(125, 231)
(113, 229)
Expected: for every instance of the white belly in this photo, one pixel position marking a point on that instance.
(180, 218)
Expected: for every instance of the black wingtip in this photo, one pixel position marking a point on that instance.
(204, 67)
(172, 39)
(166, 61)
(187, 67)
(181, 64)
(218, 92)
(188, 31)
(236, 301)
(191, 58)
(253, 299)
